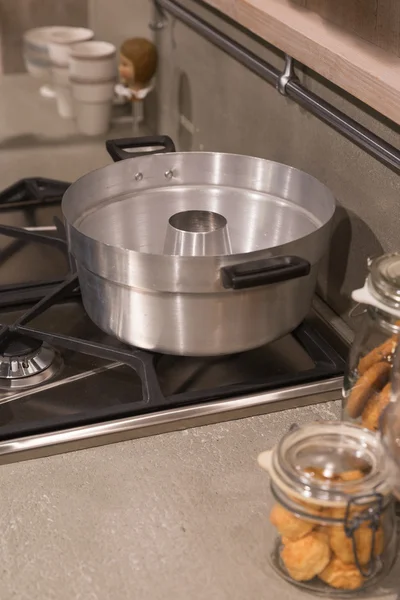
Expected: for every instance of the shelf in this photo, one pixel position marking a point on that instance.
(367, 72)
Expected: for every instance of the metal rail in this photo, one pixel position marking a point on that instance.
(287, 83)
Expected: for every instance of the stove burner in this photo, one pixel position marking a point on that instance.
(26, 362)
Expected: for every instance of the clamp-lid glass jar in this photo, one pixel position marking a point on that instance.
(334, 511)
(366, 390)
(390, 427)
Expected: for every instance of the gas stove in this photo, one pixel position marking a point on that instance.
(66, 385)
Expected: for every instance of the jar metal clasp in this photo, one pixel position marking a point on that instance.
(357, 311)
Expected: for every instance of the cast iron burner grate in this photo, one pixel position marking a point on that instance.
(27, 194)
(19, 346)
(32, 191)
(327, 362)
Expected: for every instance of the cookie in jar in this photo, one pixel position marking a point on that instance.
(333, 512)
(367, 382)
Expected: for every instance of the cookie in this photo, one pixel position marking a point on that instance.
(307, 557)
(376, 355)
(342, 545)
(371, 382)
(288, 525)
(354, 475)
(374, 408)
(341, 576)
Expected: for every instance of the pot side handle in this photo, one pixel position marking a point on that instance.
(117, 149)
(264, 272)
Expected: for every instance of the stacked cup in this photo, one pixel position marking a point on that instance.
(93, 73)
(61, 40)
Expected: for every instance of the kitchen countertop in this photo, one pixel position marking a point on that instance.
(175, 516)
(36, 141)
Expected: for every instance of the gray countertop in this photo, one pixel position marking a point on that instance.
(179, 516)
(36, 141)
(175, 516)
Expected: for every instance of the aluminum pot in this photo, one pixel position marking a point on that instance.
(196, 253)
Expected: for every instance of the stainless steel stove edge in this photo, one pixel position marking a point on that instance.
(169, 420)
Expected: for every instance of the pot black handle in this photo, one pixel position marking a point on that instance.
(117, 148)
(264, 272)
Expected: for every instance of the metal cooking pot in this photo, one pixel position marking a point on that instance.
(196, 253)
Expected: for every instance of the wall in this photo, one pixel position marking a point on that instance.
(16, 16)
(377, 21)
(117, 20)
(230, 109)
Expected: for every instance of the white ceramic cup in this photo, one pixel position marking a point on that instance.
(36, 52)
(93, 104)
(93, 118)
(89, 91)
(60, 75)
(65, 101)
(63, 91)
(93, 61)
(36, 57)
(61, 40)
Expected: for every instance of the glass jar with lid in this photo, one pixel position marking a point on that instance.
(390, 427)
(366, 390)
(334, 513)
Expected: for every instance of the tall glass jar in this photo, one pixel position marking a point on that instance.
(334, 513)
(390, 427)
(366, 390)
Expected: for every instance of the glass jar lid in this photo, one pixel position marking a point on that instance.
(382, 286)
(384, 279)
(328, 463)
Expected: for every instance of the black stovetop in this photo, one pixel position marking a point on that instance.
(98, 378)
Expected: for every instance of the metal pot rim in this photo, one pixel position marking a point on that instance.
(194, 274)
(141, 161)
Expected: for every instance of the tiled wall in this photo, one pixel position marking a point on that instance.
(16, 16)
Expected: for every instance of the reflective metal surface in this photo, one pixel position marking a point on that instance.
(197, 233)
(25, 366)
(169, 420)
(171, 323)
(116, 227)
(36, 378)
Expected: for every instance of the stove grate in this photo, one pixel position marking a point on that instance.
(30, 192)
(327, 362)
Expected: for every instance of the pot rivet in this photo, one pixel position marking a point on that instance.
(168, 174)
(139, 176)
